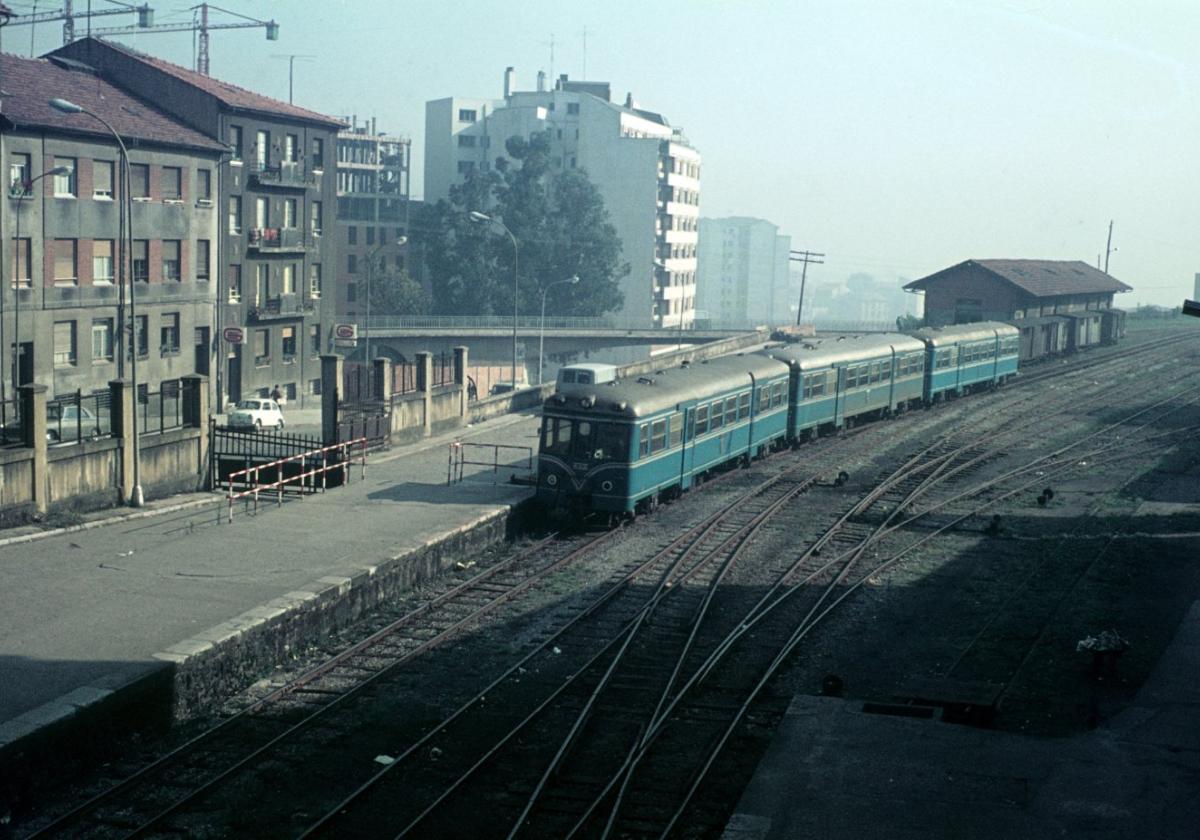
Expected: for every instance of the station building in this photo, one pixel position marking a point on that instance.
(1059, 305)
(276, 188)
(65, 321)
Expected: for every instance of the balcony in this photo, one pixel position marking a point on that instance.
(282, 307)
(288, 174)
(276, 240)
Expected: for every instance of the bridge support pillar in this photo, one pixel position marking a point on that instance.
(425, 388)
(460, 379)
(331, 395)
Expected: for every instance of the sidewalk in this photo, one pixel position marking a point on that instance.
(93, 608)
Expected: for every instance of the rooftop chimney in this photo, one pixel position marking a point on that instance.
(562, 81)
(509, 81)
(541, 84)
(629, 100)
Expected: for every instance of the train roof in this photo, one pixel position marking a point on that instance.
(814, 353)
(663, 390)
(956, 333)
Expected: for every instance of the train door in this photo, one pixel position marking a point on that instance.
(839, 400)
(687, 461)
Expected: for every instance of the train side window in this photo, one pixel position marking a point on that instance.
(744, 404)
(644, 440)
(806, 386)
(701, 419)
(658, 435)
(874, 372)
(691, 426)
(730, 411)
(556, 436)
(764, 398)
(777, 394)
(676, 430)
(715, 415)
(885, 370)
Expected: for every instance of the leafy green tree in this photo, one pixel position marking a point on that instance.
(397, 293)
(561, 226)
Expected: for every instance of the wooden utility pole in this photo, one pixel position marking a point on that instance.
(805, 258)
(1108, 249)
(291, 59)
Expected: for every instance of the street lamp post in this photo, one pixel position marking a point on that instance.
(25, 187)
(68, 107)
(370, 271)
(573, 279)
(476, 216)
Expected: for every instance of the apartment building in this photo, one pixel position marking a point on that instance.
(743, 272)
(647, 172)
(276, 188)
(373, 211)
(65, 320)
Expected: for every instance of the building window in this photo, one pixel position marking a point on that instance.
(262, 348)
(466, 115)
(141, 260)
(102, 262)
(288, 337)
(64, 185)
(316, 219)
(18, 173)
(262, 212)
(351, 264)
(141, 336)
(314, 280)
(289, 280)
(171, 269)
(21, 276)
(172, 183)
(351, 292)
(169, 334)
(102, 179)
(262, 283)
(235, 214)
(572, 108)
(289, 213)
(235, 142)
(204, 185)
(64, 261)
(318, 153)
(465, 167)
(64, 344)
(202, 260)
(102, 340)
(140, 183)
(466, 141)
(352, 235)
(290, 142)
(261, 145)
(314, 387)
(235, 283)
(314, 340)
(370, 235)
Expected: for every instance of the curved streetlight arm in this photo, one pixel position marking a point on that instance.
(573, 279)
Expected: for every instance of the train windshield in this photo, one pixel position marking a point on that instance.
(585, 440)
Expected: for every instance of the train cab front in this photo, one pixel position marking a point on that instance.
(583, 468)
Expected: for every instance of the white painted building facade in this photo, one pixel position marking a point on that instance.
(645, 170)
(743, 272)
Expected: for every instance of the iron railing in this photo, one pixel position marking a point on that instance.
(158, 411)
(71, 418)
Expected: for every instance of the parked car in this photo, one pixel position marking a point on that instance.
(256, 414)
(66, 422)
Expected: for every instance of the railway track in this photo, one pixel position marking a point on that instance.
(663, 603)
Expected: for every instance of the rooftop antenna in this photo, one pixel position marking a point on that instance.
(584, 34)
(550, 44)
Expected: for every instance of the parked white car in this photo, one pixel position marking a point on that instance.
(256, 414)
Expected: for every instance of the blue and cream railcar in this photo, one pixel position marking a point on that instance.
(623, 445)
(835, 381)
(963, 357)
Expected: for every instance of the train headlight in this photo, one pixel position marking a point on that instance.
(606, 486)
(552, 480)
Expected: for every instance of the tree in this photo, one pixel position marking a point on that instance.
(397, 293)
(561, 226)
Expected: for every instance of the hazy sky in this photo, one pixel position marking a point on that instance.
(897, 137)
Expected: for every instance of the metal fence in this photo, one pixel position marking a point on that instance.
(358, 383)
(10, 423)
(158, 411)
(71, 418)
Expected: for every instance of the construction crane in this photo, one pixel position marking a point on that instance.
(198, 24)
(68, 16)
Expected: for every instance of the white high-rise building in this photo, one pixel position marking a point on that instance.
(645, 170)
(743, 272)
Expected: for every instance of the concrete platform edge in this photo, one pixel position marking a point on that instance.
(197, 673)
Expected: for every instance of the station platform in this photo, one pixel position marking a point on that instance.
(835, 771)
(176, 598)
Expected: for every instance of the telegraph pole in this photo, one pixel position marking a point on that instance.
(291, 57)
(1108, 249)
(805, 258)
